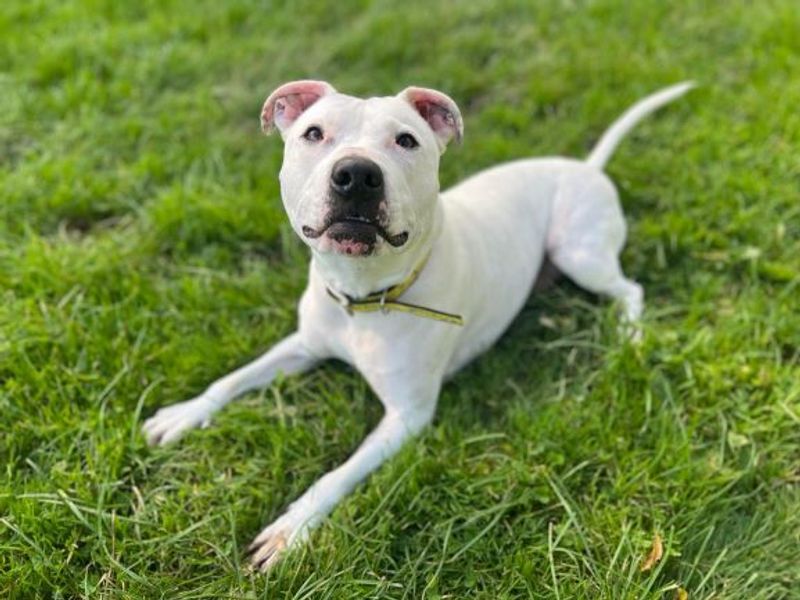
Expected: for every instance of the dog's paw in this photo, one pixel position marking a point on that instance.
(631, 331)
(170, 422)
(289, 530)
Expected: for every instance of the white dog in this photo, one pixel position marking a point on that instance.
(405, 284)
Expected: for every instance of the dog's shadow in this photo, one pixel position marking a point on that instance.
(555, 335)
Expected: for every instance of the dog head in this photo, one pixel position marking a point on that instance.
(360, 177)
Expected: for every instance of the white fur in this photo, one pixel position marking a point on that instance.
(487, 238)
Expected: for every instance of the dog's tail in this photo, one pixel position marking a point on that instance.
(614, 134)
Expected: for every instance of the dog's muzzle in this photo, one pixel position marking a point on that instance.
(357, 214)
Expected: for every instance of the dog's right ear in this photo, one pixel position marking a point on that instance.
(289, 101)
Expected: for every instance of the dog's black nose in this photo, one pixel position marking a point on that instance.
(357, 178)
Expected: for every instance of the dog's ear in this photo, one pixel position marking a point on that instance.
(440, 112)
(289, 101)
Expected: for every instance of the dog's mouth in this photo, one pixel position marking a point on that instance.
(355, 234)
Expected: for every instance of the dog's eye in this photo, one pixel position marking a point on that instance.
(407, 141)
(313, 134)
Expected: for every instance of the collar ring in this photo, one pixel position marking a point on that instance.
(384, 310)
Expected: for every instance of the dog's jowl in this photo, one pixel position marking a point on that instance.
(408, 284)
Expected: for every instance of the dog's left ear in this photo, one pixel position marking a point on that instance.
(289, 101)
(439, 111)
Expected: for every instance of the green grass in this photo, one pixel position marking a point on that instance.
(143, 252)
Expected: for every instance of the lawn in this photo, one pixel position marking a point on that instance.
(144, 252)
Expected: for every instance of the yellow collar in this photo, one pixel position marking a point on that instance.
(387, 300)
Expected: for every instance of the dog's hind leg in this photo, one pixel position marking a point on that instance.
(598, 271)
(289, 356)
(586, 236)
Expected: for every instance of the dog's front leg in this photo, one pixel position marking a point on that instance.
(289, 356)
(405, 417)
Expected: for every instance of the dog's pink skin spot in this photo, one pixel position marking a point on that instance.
(345, 246)
(350, 247)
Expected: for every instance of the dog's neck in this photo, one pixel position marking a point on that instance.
(357, 277)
